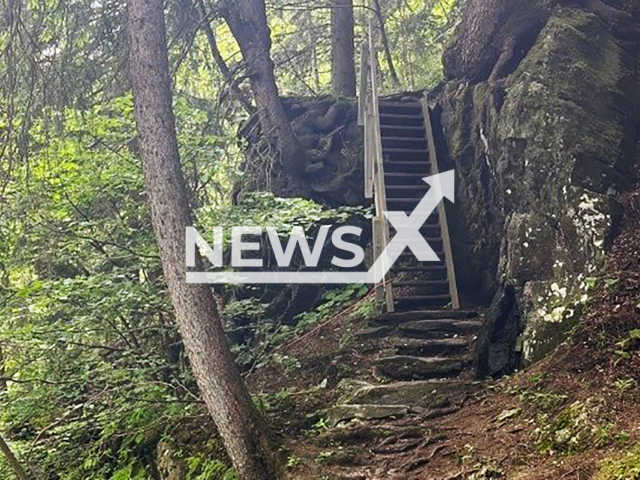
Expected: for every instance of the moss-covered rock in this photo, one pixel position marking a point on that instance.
(538, 166)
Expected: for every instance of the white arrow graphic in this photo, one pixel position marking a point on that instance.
(408, 227)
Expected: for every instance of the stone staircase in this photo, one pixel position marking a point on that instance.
(424, 351)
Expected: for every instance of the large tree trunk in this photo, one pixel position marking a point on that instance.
(241, 428)
(12, 460)
(496, 34)
(247, 20)
(343, 72)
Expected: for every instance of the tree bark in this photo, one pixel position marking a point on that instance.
(242, 430)
(385, 45)
(12, 460)
(247, 20)
(343, 72)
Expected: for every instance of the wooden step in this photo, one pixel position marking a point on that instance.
(390, 119)
(427, 270)
(421, 283)
(408, 143)
(407, 205)
(407, 191)
(420, 287)
(403, 131)
(427, 230)
(405, 154)
(421, 167)
(393, 179)
(400, 108)
(410, 255)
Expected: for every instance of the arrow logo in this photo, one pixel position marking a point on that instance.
(407, 236)
(408, 226)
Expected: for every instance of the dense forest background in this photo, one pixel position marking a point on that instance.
(93, 374)
(111, 368)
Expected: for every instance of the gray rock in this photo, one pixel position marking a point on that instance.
(537, 159)
(408, 368)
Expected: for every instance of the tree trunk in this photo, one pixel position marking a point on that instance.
(242, 430)
(12, 460)
(343, 72)
(247, 20)
(385, 44)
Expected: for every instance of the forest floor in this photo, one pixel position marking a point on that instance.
(575, 415)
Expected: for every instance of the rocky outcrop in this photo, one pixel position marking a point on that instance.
(327, 129)
(539, 156)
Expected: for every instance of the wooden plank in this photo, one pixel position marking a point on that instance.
(444, 225)
(377, 242)
(364, 83)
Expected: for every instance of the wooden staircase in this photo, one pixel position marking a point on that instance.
(424, 343)
(407, 159)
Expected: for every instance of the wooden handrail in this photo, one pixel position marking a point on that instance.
(442, 213)
(374, 184)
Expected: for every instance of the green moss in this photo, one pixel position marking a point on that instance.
(573, 430)
(623, 467)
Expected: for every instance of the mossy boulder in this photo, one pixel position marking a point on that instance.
(539, 158)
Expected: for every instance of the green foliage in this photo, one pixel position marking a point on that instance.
(93, 363)
(621, 467)
(203, 469)
(263, 209)
(94, 368)
(574, 429)
(333, 301)
(625, 347)
(323, 457)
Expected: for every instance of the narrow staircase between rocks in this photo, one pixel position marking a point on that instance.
(423, 345)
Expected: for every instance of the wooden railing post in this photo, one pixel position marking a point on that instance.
(374, 186)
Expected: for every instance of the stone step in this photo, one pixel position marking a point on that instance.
(420, 328)
(344, 413)
(428, 348)
(408, 301)
(398, 318)
(405, 367)
(418, 393)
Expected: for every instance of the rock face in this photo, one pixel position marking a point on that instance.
(539, 155)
